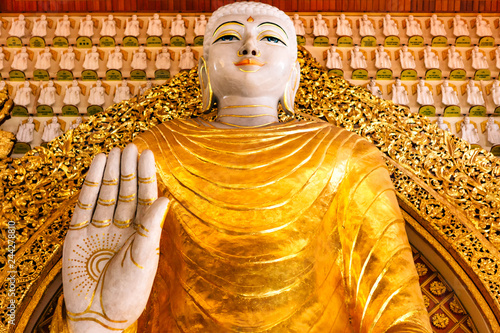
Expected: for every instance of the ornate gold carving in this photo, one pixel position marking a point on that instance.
(438, 288)
(440, 320)
(456, 307)
(421, 269)
(455, 190)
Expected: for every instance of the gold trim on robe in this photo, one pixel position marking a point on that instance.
(288, 228)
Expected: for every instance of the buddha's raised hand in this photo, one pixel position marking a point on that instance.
(111, 251)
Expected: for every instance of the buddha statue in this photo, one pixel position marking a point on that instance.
(132, 27)
(20, 61)
(51, 130)
(455, 60)
(40, 27)
(97, 94)
(300, 30)
(366, 26)
(108, 26)
(469, 131)
(178, 27)
(250, 224)
(424, 94)
(442, 125)
(67, 61)
(186, 61)
(86, 27)
(155, 27)
(320, 28)
(44, 59)
(72, 95)
(413, 27)
(63, 27)
(437, 26)
(399, 93)
(406, 58)
(495, 92)
(139, 59)
(2, 58)
(431, 59)
(460, 27)
(390, 28)
(374, 89)
(333, 59)
(492, 131)
(74, 125)
(200, 24)
(479, 60)
(163, 59)
(91, 60)
(122, 92)
(450, 96)
(358, 60)
(25, 131)
(382, 58)
(23, 94)
(115, 59)
(474, 94)
(343, 26)
(18, 27)
(483, 28)
(48, 94)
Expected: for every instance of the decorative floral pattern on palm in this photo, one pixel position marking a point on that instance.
(455, 190)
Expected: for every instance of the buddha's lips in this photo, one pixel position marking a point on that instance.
(247, 62)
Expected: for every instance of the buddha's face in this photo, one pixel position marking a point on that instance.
(250, 55)
(54, 120)
(65, 17)
(43, 17)
(434, 16)
(365, 17)
(110, 17)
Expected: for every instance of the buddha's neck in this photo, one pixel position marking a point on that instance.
(247, 112)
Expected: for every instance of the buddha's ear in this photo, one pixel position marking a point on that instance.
(288, 99)
(205, 85)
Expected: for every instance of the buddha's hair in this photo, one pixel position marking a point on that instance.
(246, 8)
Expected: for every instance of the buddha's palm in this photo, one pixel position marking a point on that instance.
(111, 250)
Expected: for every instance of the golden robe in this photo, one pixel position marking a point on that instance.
(288, 228)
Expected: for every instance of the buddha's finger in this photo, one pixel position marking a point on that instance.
(127, 197)
(106, 202)
(147, 239)
(88, 195)
(148, 188)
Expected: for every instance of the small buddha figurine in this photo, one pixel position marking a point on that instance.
(26, 131)
(374, 89)
(23, 94)
(399, 93)
(474, 94)
(148, 86)
(406, 58)
(97, 94)
(495, 92)
(20, 61)
(51, 130)
(115, 59)
(86, 27)
(67, 60)
(48, 94)
(382, 58)
(18, 27)
(413, 27)
(469, 131)
(454, 58)
(139, 59)
(450, 96)
(77, 123)
(333, 59)
(492, 132)
(163, 60)
(40, 27)
(108, 26)
(122, 92)
(132, 27)
(460, 27)
(424, 94)
(366, 27)
(390, 28)
(91, 61)
(479, 60)
(155, 27)
(200, 24)
(358, 60)
(343, 26)
(2, 58)
(298, 25)
(437, 26)
(497, 57)
(431, 59)
(320, 28)
(187, 59)
(483, 28)
(441, 124)
(178, 27)
(44, 58)
(63, 27)
(72, 95)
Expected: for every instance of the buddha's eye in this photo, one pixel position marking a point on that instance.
(227, 38)
(272, 39)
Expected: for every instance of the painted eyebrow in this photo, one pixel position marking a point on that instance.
(226, 23)
(271, 23)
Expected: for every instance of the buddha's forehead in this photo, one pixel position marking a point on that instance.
(252, 21)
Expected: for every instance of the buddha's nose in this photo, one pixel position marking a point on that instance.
(249, 47)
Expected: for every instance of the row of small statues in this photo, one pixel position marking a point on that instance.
(48, 93)
(469, 132)
(91, 57)
(449, 94)
(109, 26)
(51, 130)
(178, 26)
(343, 26)
(407, 58)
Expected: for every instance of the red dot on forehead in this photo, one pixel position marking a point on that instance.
(250, 19)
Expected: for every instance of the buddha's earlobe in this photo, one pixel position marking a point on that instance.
(288, 99)
(206, 87)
